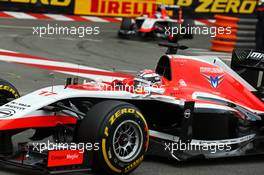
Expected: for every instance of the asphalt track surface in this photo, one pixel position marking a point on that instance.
(108, 52)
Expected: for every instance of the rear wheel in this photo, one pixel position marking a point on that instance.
(126, 26)
(7, 92)
(122, 133)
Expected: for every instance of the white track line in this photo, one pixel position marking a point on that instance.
(58, 17)
(15, 27)
(9, 51)
(94, 19)
(13, 59)
(120, 19)
(20, 15)
(45, 62)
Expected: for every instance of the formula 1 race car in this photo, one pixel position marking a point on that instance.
(159, 25)
(190, 106)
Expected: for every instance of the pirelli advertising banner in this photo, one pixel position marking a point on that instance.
(117, 7)
(39, 6)
(208, 8)
(191, 8)
(132, 8)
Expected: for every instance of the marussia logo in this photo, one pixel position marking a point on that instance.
(214, 80)
(256, 55)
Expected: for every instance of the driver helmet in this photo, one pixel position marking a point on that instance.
(147, 78)
(158, 13)
(159, 9)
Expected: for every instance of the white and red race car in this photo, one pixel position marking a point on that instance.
(159, 25)
(109, 126)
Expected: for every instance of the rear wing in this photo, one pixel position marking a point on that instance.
(249, 64)
(247, 58)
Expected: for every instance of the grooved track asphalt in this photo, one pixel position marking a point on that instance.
(106, 51)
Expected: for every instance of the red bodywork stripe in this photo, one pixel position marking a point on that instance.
(35, 122)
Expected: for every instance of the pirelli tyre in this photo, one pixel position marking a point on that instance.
(7, 92)
(122, 133)
(127, 28)
(126, 24)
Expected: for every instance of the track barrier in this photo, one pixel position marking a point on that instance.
(242, 33)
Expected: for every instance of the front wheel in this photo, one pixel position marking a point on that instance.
(7, 92)
(122, 133)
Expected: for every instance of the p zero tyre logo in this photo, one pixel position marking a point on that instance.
(5, 112)
(120, 112)
(9, 89)
(134, 164)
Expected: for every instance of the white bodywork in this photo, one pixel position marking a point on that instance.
(149, 22)
(30, 104)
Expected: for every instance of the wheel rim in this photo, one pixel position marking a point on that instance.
(128, 141)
